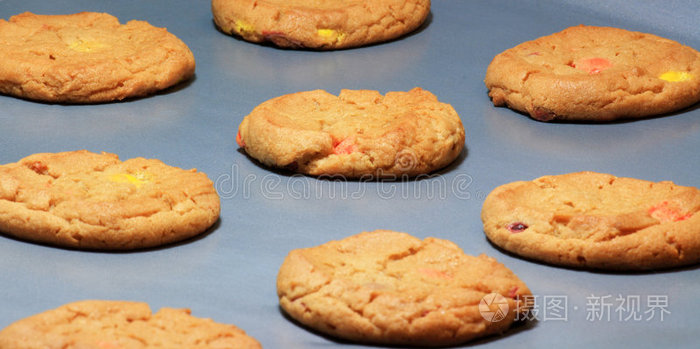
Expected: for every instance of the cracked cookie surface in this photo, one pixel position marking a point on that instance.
(359, 133)
(86, 200)
(592, 73)
(391, 288)
(597, 221)
(88, 58)
(121, 324)
(319, 24)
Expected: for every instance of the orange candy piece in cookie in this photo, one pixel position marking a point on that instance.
(666, 212)
(239, 140)
(346, 146)
(593, 65)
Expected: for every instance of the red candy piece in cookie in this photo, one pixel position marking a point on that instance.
(239, 140)
(593, 65)
(38, 167)
(281, 39)
(666, 212)
(346, 146)
(516, 227)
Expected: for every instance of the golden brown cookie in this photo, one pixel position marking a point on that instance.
(120, 324)
(319, 24)
(357, 133)
(86, 200)
(391, 288)
(597, 221)
(88, 58)
(595, 74)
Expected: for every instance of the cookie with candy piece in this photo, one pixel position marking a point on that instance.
(320, 25)
(101, 324)
(588, 73)
(359, 133)
(596, 221)
(88, 57)
(386, 287)
(86, 200)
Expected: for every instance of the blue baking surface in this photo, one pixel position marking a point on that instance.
(229, 273)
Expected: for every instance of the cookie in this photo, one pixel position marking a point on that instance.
(320, 25)
(121, 324)
(597, 221)
(88, 58)
(386, 287)
(588, 73)
(355, 134)
(86, 200)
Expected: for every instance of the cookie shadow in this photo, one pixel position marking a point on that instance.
(454, 164)
(421, 28)
(596, 270)
(174, 244)
(172, 89)
(290, 173)
(516, 328)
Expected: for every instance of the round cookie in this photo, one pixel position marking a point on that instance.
(591, 73)
(386, 287)
(121, 324)
(86, 200)
(596, 221)
(88, 58)
(358, 133)
(320, 25)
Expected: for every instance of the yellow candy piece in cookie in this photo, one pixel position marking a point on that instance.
(243, 26)
(137, 179)
(676, 76)
(326, 33)
(331, 34)
(85, 46)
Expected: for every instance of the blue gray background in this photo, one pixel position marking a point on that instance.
(229, 274)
